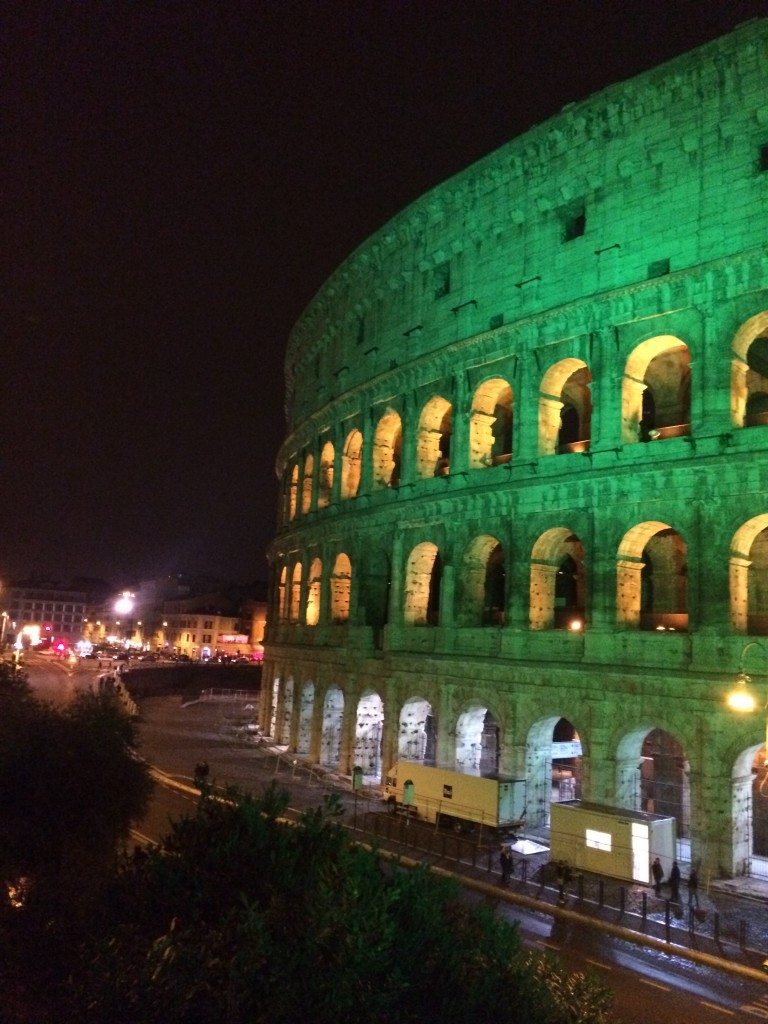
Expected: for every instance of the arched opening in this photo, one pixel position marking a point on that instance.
(387, 451)
(368, 734)
(653, 775)
(656, 391)
(477, 742)
(748, 575)
(313, 592)
(306, 711)
(351, 462)
(433, 445)
(295, 598)
(553, 760)
(422, 586)
(292, 492)
(333, 716)
(341, 580)
(558, 597)
(652, 579)
(749, 813)
(306, 485)
(481, 591)
(490, 425)
(325, 482)
(417, 734)
(565, 408)
(749, 373)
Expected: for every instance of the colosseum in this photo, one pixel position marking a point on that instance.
(524, 515)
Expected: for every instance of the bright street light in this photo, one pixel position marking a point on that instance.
(741, 698)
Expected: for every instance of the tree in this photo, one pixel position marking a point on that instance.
(71, 785)
(241, 918)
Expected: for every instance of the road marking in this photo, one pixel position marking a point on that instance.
(758, 1011)
(656, 984)
(722, 1009)
(596, 963)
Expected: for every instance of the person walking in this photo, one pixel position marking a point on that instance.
(674, 882)
(693, 888)
(507, 864)
(658, 874)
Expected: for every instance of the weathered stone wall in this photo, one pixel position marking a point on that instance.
(553, 364)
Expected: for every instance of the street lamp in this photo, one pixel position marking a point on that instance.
(124, 607)
(741, 698)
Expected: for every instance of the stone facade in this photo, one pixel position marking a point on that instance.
(524, 524)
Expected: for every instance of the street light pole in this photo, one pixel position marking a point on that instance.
(741, 698)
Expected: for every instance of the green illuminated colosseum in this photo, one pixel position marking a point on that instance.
(524, 516)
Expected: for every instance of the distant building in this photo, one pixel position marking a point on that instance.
(56, 609)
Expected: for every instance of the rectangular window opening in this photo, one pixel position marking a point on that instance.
(658, 268)
(574, 224)
(598, 840)
(442, 280)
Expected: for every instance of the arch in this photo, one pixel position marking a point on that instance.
(748, 577)
(333, 718)
(325, 481)
(292, 492)
(369, 731)
(478, 746)
(749, 373)
(565, 408)
(490, 424)
(417, 731)
(433, 445)
(387, 451)
(558, 581)
(314, 584)
(481, 592)
(422, 586)
(294, 600)
(306, 484)
(552, 766)
(341, 581)
(652, 578)
(653, 775)
(656, 391)
(351, 462)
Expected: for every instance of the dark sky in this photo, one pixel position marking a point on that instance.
(178, 179)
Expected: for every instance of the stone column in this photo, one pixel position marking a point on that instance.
(446, 727)
(460, 417)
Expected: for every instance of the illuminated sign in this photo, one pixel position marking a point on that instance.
(232, 638)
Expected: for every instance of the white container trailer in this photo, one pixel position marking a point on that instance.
(611, 841)
(433, 793)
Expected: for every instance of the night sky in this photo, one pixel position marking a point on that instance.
(178, 180)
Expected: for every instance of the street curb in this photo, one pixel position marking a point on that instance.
(637, 938)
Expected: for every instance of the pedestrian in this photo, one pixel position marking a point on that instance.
(658, 874)
(693, 888)
(507, 864)
(674, 882)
